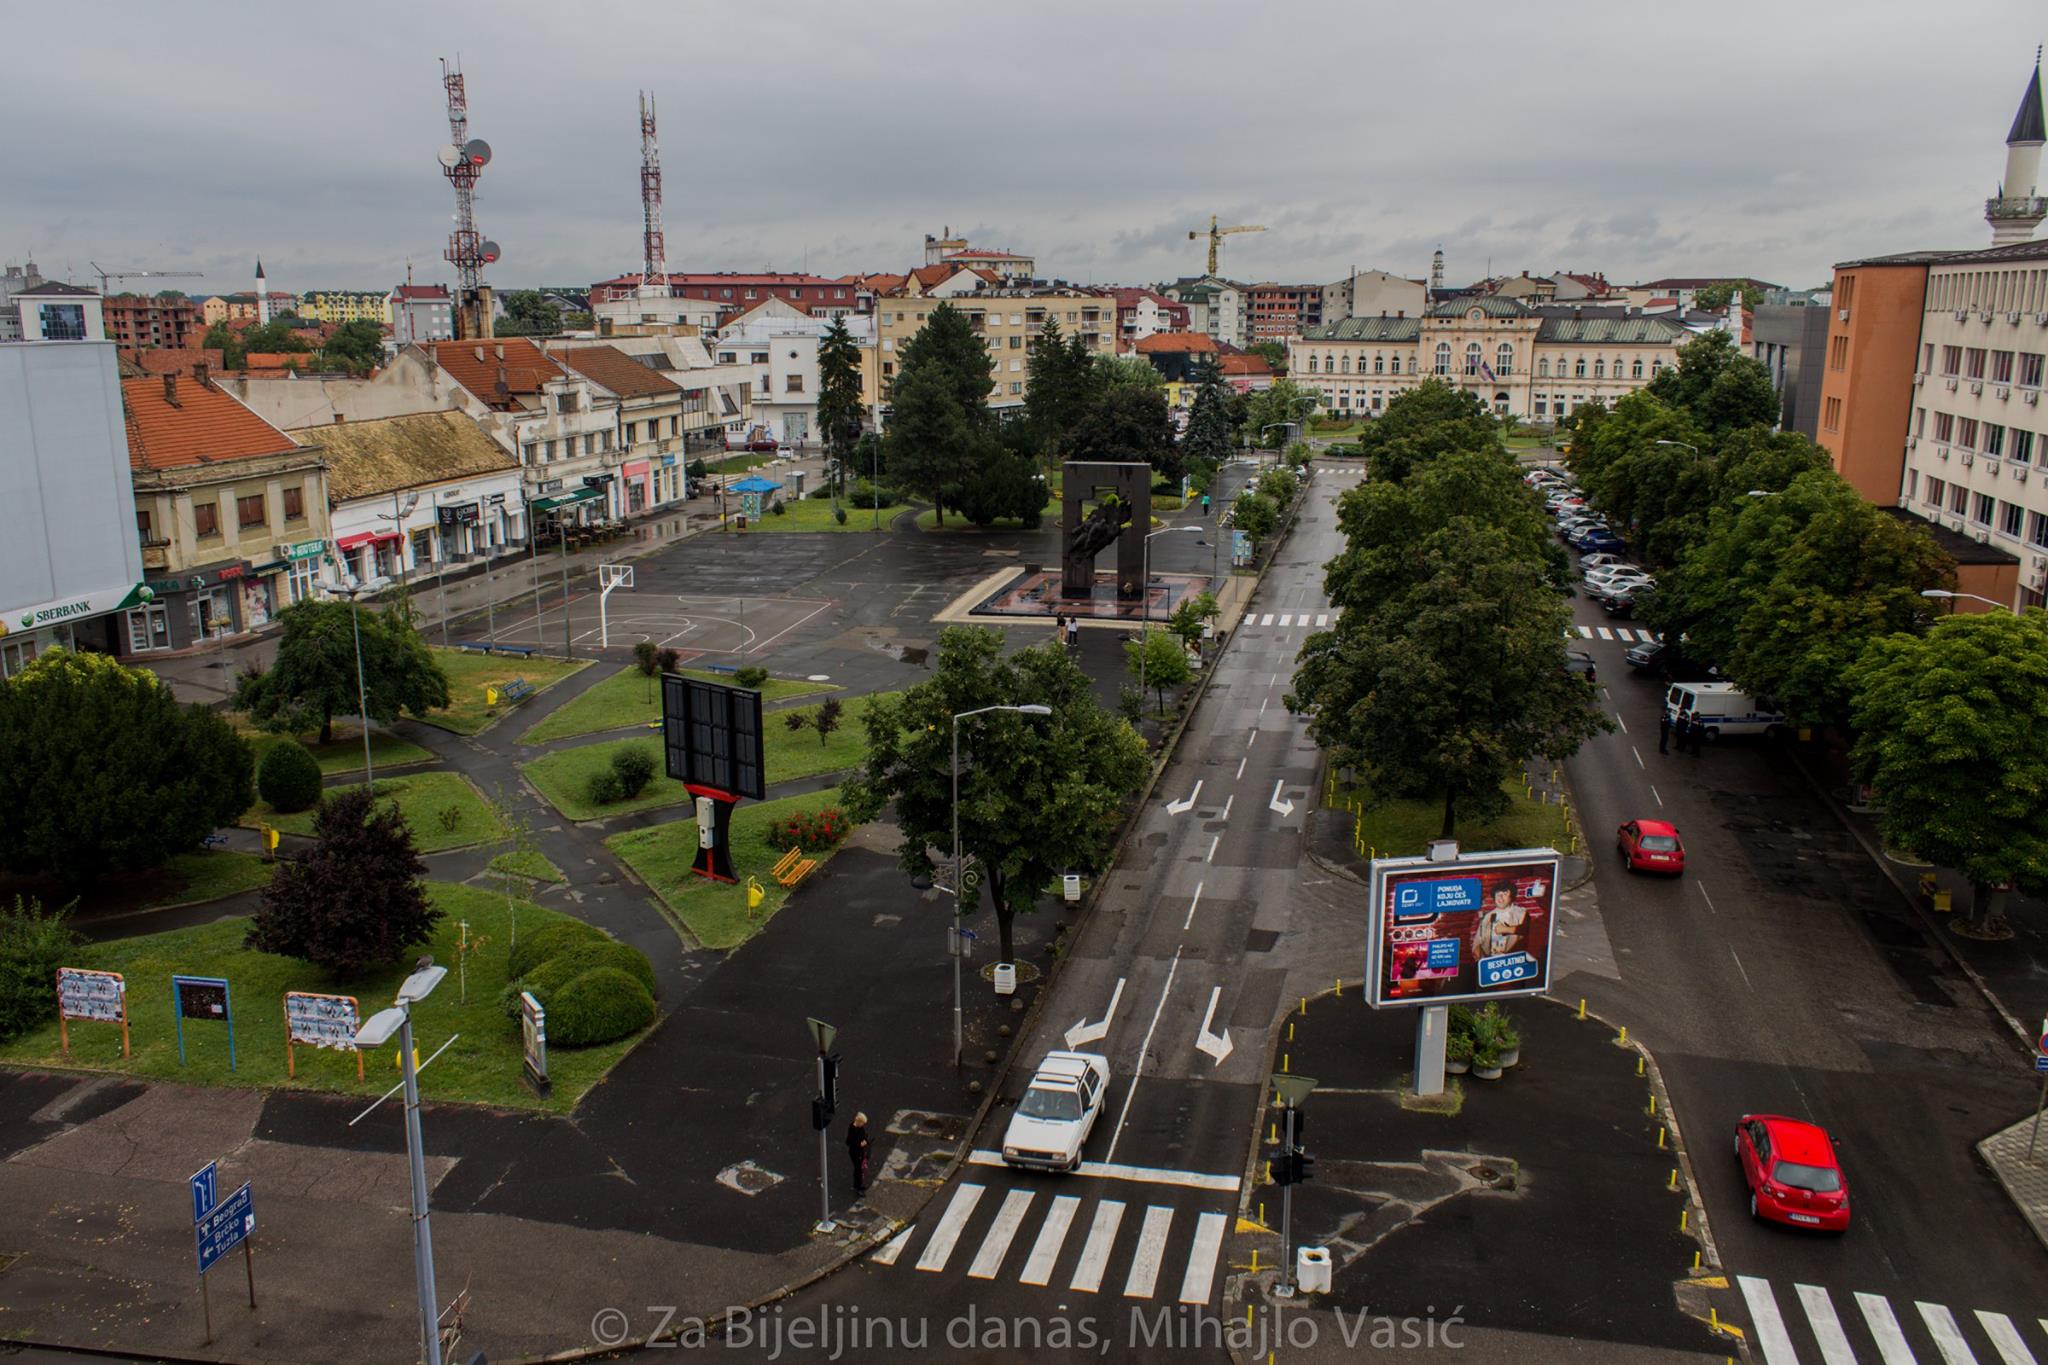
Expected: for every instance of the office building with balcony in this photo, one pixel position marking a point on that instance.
(647, 409)
(1281, 312)
(346, 305)
(1006, 318)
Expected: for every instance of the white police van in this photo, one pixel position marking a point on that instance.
(1722, 708)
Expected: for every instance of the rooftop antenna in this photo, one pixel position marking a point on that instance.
(654, 249)
(462, 160)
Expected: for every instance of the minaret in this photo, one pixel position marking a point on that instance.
(2019, 208)
(262, 296)
(1436, 275)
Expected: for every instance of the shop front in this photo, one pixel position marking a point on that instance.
(85, 621)
(370, 554)
(570, 510)
(639, 496)
(288, 576)
(197, 608)
(461, 527)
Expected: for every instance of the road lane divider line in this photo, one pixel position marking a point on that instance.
(1214, 840)
(1136, 1175)
(1240, 766)
(1193, 901)
(1744, 970)
(1226, 806)
(1639, 757)
(1622, 723)
(1653, 792)
(1144, 1047)
(1703, 891)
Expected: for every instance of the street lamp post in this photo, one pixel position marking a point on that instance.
(375, 1032)
(1145, 597)
(1687, 444)
(1947, 595)
(352, 592)
(1028, 709)
(401, 508)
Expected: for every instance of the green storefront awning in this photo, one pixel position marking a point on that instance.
(567, 499)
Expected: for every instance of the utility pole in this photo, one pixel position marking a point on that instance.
(1291, 1168)
(822, 1105)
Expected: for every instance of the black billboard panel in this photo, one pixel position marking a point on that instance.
(711, 735)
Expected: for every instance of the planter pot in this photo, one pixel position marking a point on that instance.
(1456, 1067)
(1509, 1056)
(1486, 1073)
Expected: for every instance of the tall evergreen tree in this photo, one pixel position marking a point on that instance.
(1207, 443)
(939, 425)
(839, 415)
(1062, 383)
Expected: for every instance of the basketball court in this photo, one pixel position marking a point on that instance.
(616, 617)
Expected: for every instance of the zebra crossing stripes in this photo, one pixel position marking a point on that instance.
(1621, 633)
(1151, 1251)
(940, 1249)
(1319, 619)
(989, 1259)
(1777, 1335)
(1200, 1277)
(1095, 1252)
(1051, 1237)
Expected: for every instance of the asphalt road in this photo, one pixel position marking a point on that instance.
(1782, 974)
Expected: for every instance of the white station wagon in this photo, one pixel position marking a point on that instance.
(1057, 1112)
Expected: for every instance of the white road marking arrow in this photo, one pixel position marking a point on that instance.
(1217, 1045)
(1085, 1032)
(1284, 807)
(1182, 807)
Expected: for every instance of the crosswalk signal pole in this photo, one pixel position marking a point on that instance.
(1285, 1289)
(822, 1105)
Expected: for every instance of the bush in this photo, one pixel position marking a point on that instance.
(753, 676)
(450, 818)
(289, 777)
(599, 1006)
(634, 769)
(813, 833)
(1130, 703)
(605, 787)
(776, 509)
(866, 495)
(822, 491)
(668, 660)
(565, 966)
(34, 943)
(549, 941)
(647, 658)
(839, 515)
(696, 469)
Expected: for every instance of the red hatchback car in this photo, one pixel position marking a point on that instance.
(1792, 1172)
(1650, 846)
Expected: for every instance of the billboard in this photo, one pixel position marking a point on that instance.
(1473, 929)
(86, 994)
(711, 735)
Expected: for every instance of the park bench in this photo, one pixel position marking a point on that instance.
(473, 646)
(794, 867)
(523, 651)
(214, 841)
(518, 690)
(719, 668)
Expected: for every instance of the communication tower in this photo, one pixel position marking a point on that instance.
(654, 266)
(462, 161)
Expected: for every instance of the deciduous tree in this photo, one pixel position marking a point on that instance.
(1421, 424)
(313, 678)
(1038, 795)
(354, 900)
(1161, 660)
(1127, 424)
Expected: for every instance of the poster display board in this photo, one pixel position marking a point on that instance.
(202, 998)
(324, 1021)
(1473, 929)
(533, 1034)
(99, 997)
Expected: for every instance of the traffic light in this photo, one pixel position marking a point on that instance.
(1301, 1162)
(821, 1117)
(831, 1096)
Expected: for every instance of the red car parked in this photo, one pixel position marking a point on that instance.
(1792, 1172)
(1651, 846)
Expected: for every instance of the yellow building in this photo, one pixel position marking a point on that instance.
(346, 305)
(1007, 318)
(1536, 364)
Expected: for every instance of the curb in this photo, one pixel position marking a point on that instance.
(1927, 921)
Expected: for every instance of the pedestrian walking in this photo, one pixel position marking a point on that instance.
(1663, 731)
(1073, 632)
(857, 1151)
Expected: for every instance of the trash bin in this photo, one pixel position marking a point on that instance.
(1070, 886)
(1006, 978)
(1312, 1270)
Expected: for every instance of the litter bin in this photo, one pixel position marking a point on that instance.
(1006, 978)
(1312, 1270)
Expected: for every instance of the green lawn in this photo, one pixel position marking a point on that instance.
(482, 1066)
(740, 463)
(626, 698)
(564, 777)
(421, 798)
(345, 751)
(1404, 828)
(928, 520)
(210, 875)
(529, 864)
(470, 674)
(715, 913)
(813, 514)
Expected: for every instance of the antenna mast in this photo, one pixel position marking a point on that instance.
(654, 266)
(462, 161)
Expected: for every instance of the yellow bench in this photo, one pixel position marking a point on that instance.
(793, 868)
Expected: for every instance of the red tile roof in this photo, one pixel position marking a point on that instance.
(422, 291)
(615, 370)
(201, 427)
(1178, 343)
(477, 366)
(157, 360)
(1249, 365)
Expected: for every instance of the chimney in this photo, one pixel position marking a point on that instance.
(199, 373)
(479, 353)
(499, 351)
(171, 390)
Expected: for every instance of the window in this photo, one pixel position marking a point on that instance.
(1944, 426)
(1951, 360)
(1016, 343)
(551, 450)
(2011, 519)
(2030, 369)
(1443, 358)
(1920, 421)
(589, 444)
(792, 383)
(1345, 363)
(1636, 370)
(1927, 358)
(1504, 359)
(566, 402)
(1973, 362)
(1935, 487)
(62, 321)
(1912, 483)
(727, 357)
(1838, 353)
(1958, 497)
(1831, 418)
(1543, 367)
(758, 357)
(1312, 365)
(1379, 363)
(142, 524)
(1981, 507)
(1966, 433)
(1578, 367)
(1016, 388)
(1994, 439)
(1472, 358)
(1599, 369)
(2037, 529)
(2001, 367)
(2022, 446)
(1540, 407)
(206, 519)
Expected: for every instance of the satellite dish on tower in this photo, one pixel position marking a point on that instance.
(449, 156)
(489, 252)
(477, 152)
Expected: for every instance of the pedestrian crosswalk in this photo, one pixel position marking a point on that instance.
(1874, 1332)
(1621, 633)
(1147, 1258)
(1318, 620)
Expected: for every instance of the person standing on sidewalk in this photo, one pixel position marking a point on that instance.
(857, 1145)
(1663, 731)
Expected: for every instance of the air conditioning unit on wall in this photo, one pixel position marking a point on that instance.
(1968, 459)
(2040, 573)
(2031, 395)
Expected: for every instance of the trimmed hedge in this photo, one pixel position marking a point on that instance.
(288, 779)
(600, 1006)
(573, 961)
(545, 942)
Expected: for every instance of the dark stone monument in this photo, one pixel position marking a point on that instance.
(1123, 514)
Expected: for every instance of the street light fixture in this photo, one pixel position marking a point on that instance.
(1028, 709)
(376, 1031)
(1947, 595)
(1145, 596)
(1764, 493)
(1687, 444)
(401, 508)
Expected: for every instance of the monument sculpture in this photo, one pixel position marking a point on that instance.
(1122, 514)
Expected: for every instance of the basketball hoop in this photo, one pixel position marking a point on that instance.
(609, 576)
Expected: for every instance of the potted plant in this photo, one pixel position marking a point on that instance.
(1506, 1038)
(1486, 1060)
(1458, 1054)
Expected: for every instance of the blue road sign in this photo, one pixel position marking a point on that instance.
(224, 1229)
(205, 1192)
(966, 933)
(2041, 1063)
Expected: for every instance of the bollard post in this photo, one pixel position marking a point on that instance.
(1582, 1008)
(1639, 1066)
(1660, 1138)
(1673, 1186)
(1623, 1040)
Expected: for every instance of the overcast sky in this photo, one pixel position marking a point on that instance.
(1764, 139)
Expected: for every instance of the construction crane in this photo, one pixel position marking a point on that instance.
(106, 275)
(1217, 234)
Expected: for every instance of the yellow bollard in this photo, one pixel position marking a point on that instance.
(1582, 1007)
(1653, 1105)
(1673, 1186)
(1639, 1066)
(1340, 988)
(1684, 1216)
(1269, 1172)
(1304, 1007)
(1695, 1260)
(1290, 1030)
(1255, 1260)
(1273, 1136)
(1283, 1064)
(1623, 1040)
(1262, 1213)
(1660, 1138)
(1714, 1317)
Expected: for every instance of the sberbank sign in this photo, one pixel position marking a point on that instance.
(59, 611)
